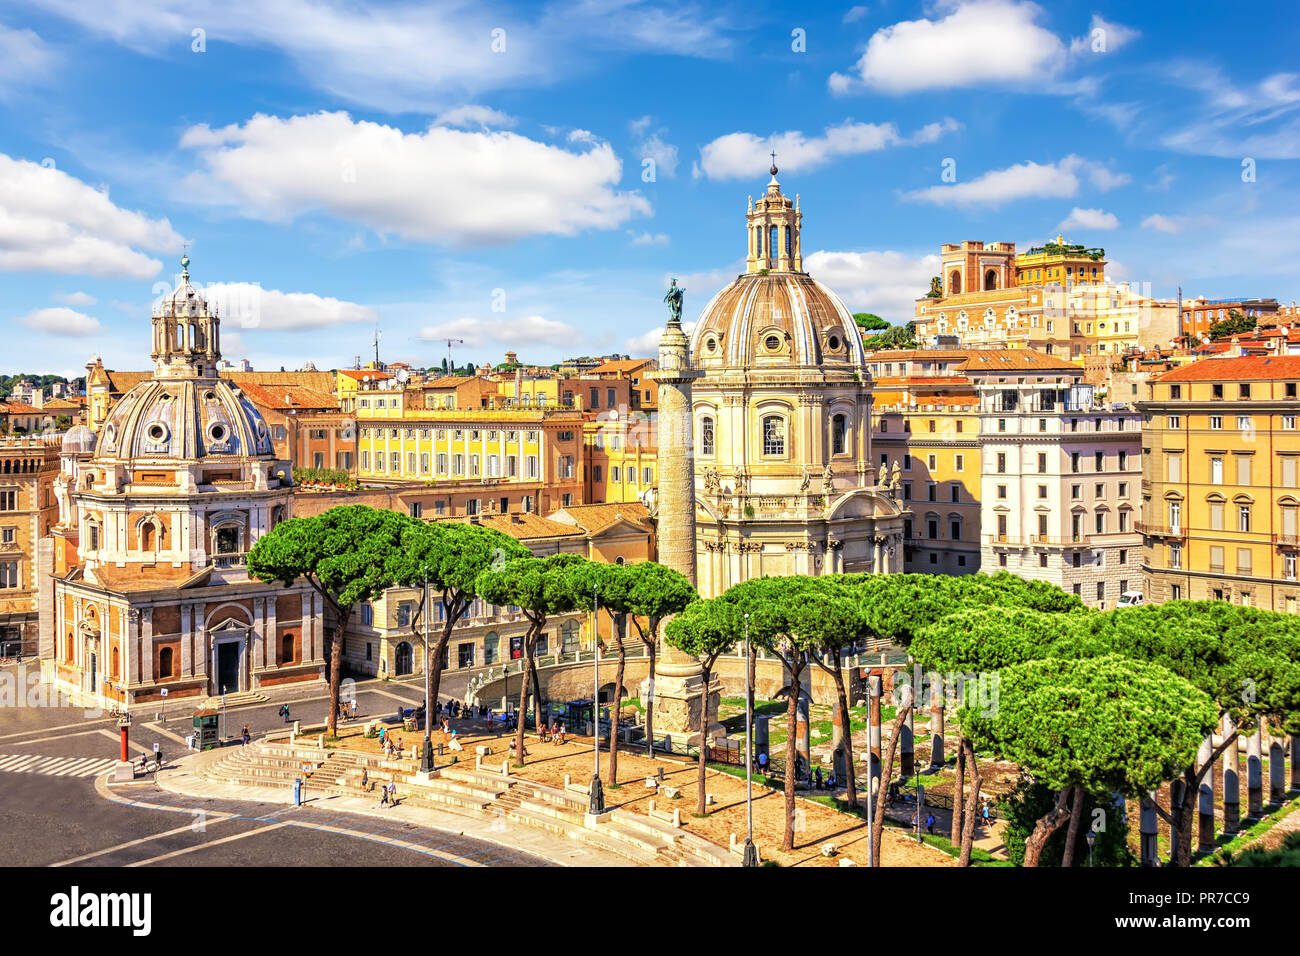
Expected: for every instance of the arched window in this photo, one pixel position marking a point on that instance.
(149, 535)
(839, 426)
(773, 435)
(954, 282)
(788, 242)
(991, 279)
(772, 242)
(491, 645)
(286, 649)
(706, 435)
(114, 665)
(165, 663)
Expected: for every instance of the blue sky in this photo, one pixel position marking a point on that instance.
(479, 170)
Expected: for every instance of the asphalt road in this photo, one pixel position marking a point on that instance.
(52, 814)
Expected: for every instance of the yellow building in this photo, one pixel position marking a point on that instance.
(28, 467)
(527, 459)
(620, 457)
(349, 381)
(1221, 482)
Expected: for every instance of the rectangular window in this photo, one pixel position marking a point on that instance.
(1243, 517)
(396, 458)
(1175, 592)
(931, 491)
(1216, 471)
(647, 475)
(932, 462)
(1074, 461)
(610, 400)
(1288, 471)
(1175, 555)
(959, 462)
(595, 398)
(1123, 521)
(1175, 421)
(1123, 461)
(954, 492)
(907, 463)
(1243, 560)
(442, 462)
(424, 462)
(410, 462)
(1042, 525)
(1123, 489)
(1101, 461)
(1002, 463)
(1100, 522)
(1244, 423)
(1216, 558)
(9, 575)
(1101, 590)
(1175, 466)
(1288, 423)
(472, 506)
(614, 473)
(1243, 469)
(365, 462)
(1216, 422)
(595, 472)
(1002, 491)
(531, 470)
(414, 509)
(458, 464)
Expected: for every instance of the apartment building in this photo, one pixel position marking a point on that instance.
(1060, 483)
(1221, 456)
(475, 461)
(28, 509)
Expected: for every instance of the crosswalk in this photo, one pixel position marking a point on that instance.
(55, 766)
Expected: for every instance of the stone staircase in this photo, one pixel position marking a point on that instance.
(636, 838)
(235, 700)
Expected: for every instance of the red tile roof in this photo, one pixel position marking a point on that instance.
(1252, 367)
(285, 396)
(361, 374)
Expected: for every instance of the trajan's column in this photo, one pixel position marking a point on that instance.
(677, 686)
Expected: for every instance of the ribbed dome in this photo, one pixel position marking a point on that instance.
(778, 319)
(78, 440)
(186, 419)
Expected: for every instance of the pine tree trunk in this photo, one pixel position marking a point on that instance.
(791, 715)
(650, 708)
(972, 800)
(1072, 832)
(958, 793)
(537, 695)
(878, 824)
(618, 704)
(525, 680)
(336, 668)
(701, 807)
(1048, 824)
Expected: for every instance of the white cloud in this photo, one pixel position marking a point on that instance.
(1103, 37)
(442, 185)
(647, 344)
(584, 136)
(743, 155)
(1163, 178)
(24, 57)
(1257, 121)
(655, 147)
(409, 55)
(74, 298)
(471, 116)
(61, 321)
(1028, 180)
(248, 306)
(53, 222)
(887, 283)
(529, 330)
(649, 239)
(1088, 219)
(855, 14)
(1160, 223)
(985, 42)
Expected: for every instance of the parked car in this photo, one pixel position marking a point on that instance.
(1130, 599)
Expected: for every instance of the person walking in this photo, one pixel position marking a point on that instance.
(929, 824)
(383, 800)
(365, 779)
(984, 812)
(818, 775)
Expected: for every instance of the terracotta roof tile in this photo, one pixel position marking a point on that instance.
(596, 518)
(1253, 367)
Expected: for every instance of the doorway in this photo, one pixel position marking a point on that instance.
(404, 662)
(228, 668)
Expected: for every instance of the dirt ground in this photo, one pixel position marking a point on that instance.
(815, 824)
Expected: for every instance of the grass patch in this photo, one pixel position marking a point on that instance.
(1248, 836)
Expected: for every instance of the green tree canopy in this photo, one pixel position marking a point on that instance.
(991, 637)
(1106, 724)
(869, 321)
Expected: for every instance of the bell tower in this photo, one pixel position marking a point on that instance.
(186, 335)
(773, 224)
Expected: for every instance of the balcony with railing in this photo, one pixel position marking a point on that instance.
(227, 560)
(1286, 540)
(1158, 530)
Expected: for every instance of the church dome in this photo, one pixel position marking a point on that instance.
(775, 314)
(185, 419)
(185, 411)
(78, 440)
(776, 319)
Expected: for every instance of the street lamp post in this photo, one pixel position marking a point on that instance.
(1092, 838)
(751, 852)
(597, 794)
(426, 754)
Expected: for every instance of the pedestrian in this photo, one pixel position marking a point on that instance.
(392, 788)
(915, 815)
(383, 800)
(818, 775)
(245, 738)
(929, 824)
(984, 811)
(365, 779)
(562, 732)
(762, 761)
